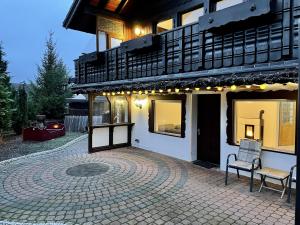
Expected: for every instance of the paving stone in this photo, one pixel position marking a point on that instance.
(129, 186)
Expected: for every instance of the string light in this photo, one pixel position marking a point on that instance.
(128, 92)
(118, 92)
(263, 86)
(248, 86)
(103, 93)
(122, 93)
(177, 90)
(197, 89)
(153, 92)
(161, 91)
(146, 92)
(140, 92)
(113, 94)
(208, 88)
(233, 87)
(187, 89)
(220, 88)
(169, 90)
(108, 94)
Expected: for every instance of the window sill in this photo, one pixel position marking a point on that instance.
(168, 134)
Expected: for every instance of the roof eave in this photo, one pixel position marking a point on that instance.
(70, 15)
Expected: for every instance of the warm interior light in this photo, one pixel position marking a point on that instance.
(208, 88)
(177, 90)
(263, 86)
(233, 87)
(248, 86)
(197, 89)
(140, 102)
(249, 131)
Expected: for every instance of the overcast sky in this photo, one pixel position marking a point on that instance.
(24, 27)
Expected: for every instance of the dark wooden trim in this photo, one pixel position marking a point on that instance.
(245, 95)
(90, 121)
(113, 125)
(151, 120)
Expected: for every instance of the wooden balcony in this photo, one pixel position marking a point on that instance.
(268, 38)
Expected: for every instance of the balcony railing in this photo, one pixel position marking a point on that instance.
(185, 49)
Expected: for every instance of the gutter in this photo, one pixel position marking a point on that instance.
(71, 13)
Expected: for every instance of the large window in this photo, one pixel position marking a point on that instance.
(165, 25)
(272, 121)
(191, 16)
(119, 105)
(166, 115)
(101, 111)
(227, 3)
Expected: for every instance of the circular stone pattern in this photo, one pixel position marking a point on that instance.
(87, 170)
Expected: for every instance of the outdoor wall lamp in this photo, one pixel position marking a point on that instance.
(139, 31)
(140, 102)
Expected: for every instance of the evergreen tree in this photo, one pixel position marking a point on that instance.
(20, 116)
(48, 94)
(5, 96)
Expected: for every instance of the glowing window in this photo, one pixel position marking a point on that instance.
(191, 16)
(227, 3)
(165, 25)
(114, 42)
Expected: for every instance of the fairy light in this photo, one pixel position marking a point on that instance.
(263, 86)
(122, 93)
(161, 91)
(197, 89)
(169, 90)
(208, 88)
(113, 94)
(118, 92)
(187, 89)
(146, 92)
(248, 86)
(233, 87)
(128, 92)
(103, 93)
(220, 88)
(177, 90)
(153, 92)
(108, 94)
(140, 92)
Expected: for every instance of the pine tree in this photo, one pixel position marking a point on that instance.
(5, 96)
(48, 93)
(20, 116)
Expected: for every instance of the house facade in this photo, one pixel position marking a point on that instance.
(190, 79)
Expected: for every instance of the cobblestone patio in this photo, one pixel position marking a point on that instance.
(129, 186)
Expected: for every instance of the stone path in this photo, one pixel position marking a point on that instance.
(128, 186)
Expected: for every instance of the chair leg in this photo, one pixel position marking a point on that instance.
(289, 190)
(251, 180)
(238, 173)
(226, 176)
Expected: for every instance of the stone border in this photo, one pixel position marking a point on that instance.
(6, 162)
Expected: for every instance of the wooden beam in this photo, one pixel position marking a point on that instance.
(121, 6)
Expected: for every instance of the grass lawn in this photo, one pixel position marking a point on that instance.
(15, 147)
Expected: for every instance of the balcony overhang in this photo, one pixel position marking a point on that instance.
(282, 76)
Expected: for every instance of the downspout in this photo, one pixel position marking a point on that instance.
(297, 208)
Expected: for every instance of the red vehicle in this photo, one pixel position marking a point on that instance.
(44, 133)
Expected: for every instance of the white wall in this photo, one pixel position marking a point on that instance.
(173, 146)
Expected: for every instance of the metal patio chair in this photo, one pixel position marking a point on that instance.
(291, 180)
(248, 159)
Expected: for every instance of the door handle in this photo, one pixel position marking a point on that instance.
(198, 132)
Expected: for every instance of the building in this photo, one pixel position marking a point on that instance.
(189, 79)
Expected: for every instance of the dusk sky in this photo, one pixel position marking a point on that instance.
(24, 27)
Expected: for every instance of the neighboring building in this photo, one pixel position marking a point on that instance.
(189, 79)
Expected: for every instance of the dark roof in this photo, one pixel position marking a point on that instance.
(269, 77)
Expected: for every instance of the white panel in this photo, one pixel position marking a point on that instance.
(120, 135)
(100, 137)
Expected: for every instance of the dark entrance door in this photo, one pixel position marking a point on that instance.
(209, 128)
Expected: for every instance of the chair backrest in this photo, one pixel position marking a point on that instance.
(249, 150)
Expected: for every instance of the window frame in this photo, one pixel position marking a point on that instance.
(151, 121)
(248, 95)
(162, 20)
